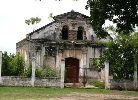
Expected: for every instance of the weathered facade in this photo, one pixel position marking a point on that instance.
(70, 37)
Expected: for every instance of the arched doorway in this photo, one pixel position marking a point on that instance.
(71, 70)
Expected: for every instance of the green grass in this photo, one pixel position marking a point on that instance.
(23, 93)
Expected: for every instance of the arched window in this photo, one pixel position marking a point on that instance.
(65, 32)
(80, 33)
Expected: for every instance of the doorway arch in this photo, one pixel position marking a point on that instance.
(71, 70)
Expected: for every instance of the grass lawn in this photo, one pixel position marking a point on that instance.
(30, 93)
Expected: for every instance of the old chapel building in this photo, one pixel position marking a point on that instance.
(69, 37)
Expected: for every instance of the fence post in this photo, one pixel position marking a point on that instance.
(0, 66)
(106, 75)
(62, 73)
(135, 76)
(33, 72)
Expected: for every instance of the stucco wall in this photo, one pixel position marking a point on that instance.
(24, 47)
(47, 32)
(21, 81)
(122, 84)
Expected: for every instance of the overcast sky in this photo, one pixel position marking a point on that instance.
(14, 12)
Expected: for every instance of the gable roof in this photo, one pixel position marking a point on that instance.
(42, 27)
(70, 14)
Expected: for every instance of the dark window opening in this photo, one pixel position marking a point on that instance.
(92, 37)
(65, 32)
(80, 33)
(50, 51)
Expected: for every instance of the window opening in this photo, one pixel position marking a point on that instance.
(65, 32)
(80, 33)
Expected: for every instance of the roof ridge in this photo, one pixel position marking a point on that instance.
(71, 12)
(42, 27)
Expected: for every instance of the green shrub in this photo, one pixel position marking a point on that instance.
(38, 72)
(12, 65)
(28, 72)
(50, 72)
(98, 84)
(42, 72)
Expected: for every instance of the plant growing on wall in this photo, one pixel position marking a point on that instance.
(50, 51)
(96, 63)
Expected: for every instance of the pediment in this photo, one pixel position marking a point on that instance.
(71, 15)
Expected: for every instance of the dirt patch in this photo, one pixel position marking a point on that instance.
(83, 96)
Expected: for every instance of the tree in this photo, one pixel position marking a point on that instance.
(33, 20)
(6, 65)
(134, 42)
(18, 64)
(122, 12)
(122, 53)
(12, 65)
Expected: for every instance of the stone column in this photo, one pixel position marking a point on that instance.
(84, 75)
(42, 56)
(84, 53)
(135, 76)
(0, 66)
(33, 71)
(84, 59)
(106, 72)
(62, 73)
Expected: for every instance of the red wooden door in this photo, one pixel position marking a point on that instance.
(71, 70)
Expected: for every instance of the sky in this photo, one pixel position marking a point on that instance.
(13, 14)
